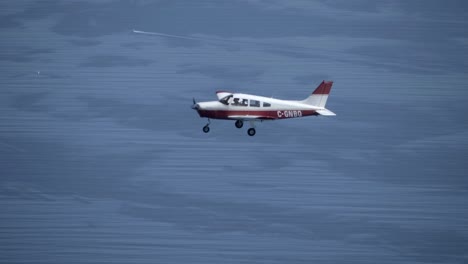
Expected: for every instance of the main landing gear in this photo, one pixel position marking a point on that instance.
(251, 131)
(239, 124)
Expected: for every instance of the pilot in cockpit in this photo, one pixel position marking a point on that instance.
(225, 100)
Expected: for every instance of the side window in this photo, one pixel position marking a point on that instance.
(240, 102)
(235, 102)
(266, 105)
(254, 103)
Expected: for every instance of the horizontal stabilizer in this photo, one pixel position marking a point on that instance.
(325, 112)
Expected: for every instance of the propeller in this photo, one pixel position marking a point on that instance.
(195, 105)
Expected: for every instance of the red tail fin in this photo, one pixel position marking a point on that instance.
(320, 95)
(324, 88)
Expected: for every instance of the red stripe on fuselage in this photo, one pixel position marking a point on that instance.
(262, 114)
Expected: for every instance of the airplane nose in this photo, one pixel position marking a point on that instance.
(195, 106)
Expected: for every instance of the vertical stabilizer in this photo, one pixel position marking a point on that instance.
(320, 95)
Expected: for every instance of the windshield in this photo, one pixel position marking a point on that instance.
(225, 100)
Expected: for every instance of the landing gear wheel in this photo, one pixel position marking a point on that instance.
(251, 132)
(239, 123)
(206, 129)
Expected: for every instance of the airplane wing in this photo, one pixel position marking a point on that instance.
(249, 117)
(325, 112)
(222, 94)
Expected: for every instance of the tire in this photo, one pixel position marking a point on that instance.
(206, 129)
(251, 132)
(239, 124)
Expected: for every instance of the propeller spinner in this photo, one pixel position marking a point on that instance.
(194, 105)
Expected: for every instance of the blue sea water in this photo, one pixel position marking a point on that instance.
(102, 159)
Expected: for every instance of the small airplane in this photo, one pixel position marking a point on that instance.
(245, 107)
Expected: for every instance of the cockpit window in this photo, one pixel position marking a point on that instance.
(225, 100)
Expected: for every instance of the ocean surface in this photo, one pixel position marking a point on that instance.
(102, 160)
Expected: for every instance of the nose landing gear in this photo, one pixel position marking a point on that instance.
(239, 124)
(206, 128)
